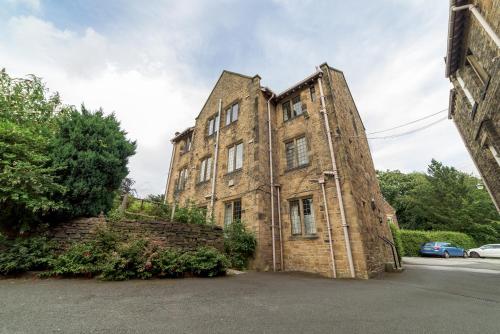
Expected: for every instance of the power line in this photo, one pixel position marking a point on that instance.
(405, 124)
(412, 131)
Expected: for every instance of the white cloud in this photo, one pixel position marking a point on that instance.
(88, 68)
(146, 67)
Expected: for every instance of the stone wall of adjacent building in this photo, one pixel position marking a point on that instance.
(480, 129)
(166, 234)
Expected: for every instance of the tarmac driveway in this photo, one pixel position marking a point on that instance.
(419, 300)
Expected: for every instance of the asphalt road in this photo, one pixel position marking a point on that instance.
(419, 300)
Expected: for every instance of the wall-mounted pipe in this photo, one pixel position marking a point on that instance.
(169, 172)
(282, 267)
(271, 176)
(321, 181)
(216, 155)
(337, 179)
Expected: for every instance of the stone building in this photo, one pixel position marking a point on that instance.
(288, 165)
(472, 65)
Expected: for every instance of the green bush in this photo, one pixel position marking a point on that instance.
(86, 258)
(23, 254)
(412, 239)
(396, 236)
(169, 263)
(205, 262)
(81, 259)
(239, 244)
(130, 260)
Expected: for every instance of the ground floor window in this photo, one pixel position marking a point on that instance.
(232, 211)
(302, 216)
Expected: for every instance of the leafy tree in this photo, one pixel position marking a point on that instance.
(94, 152)
(28, 182)
(442, 199)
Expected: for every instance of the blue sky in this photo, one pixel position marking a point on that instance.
(154, 63)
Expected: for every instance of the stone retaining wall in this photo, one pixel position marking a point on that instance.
(170, 235)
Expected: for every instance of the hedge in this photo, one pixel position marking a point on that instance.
(412, 240)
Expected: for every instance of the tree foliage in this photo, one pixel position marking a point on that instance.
(53, 158)
(94, 152)
(28, 181)
(442, 199)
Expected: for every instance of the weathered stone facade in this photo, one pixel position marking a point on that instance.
(472, 66)
(171, 235)
(301, 157)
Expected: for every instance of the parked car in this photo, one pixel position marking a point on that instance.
(490, 250)
(442, 249)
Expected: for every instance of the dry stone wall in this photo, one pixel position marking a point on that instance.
(170, 235)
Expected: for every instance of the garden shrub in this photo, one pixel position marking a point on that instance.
(169, 263)
(239, 244)
(396, 236)
(130, 260)
(81, 259)
(86, 258)
(205, 262)
(412, 239)
(23, 254)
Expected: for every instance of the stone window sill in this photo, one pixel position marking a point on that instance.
(234, 172)
(297, 167)
(303, 237)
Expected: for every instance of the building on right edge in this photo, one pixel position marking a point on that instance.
(472, 63)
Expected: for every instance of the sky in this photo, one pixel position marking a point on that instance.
(153, 63)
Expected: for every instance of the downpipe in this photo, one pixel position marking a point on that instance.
(337, 180)
(321, 181)
(271, 178)
(216, 155)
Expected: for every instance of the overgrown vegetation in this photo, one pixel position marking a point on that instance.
(23, 254)
(239, 244)
(443, 199)
(55, 160)
(412, 240)
(191, 214)
(110, 257)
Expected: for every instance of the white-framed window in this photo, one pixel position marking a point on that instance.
(296, 152)
(232, 211)
(205, 169)
(232, 113)
(292, 108)
(234, 157)
(302, 216)
(182, 180)
(213, 125)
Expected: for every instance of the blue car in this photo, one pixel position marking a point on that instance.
(441, 249)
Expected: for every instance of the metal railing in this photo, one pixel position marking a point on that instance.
(394, 251)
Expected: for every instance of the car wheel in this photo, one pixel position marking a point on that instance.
(446, 255)
(474, 254)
